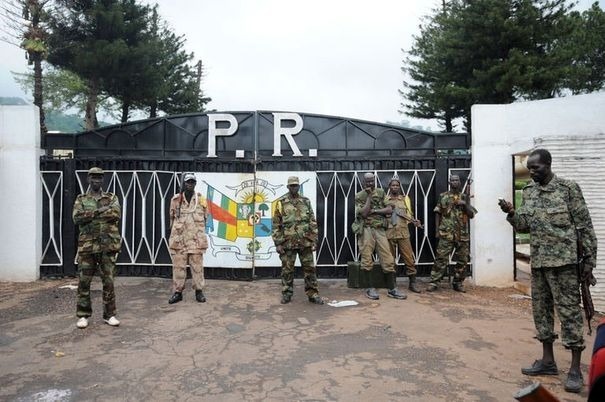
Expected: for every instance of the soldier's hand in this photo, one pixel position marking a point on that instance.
(368, 190)
(587, 273)
(279, 249)
(313, 247)
(417, 223)
(505, 206)
(102, 209)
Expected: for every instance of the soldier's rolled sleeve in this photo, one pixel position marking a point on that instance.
(583, 222)
(276, 231)
(520, 219)
(313, 228)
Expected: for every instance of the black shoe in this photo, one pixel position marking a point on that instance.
(541, 368)
(433, 287)
(371, 294)
(458, 287)
(285, 299)
(176, 297)
(574, 382)
(316, 299)
(199, 296)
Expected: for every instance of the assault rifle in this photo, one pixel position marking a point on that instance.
(585, 282)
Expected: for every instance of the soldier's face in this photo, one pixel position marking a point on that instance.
(538, 170)
(189, 185)
(95, 181)
(394, 187)
(455, 183)
(368, 182)
(293, 189)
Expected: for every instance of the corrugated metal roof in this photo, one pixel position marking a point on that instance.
(582, 159)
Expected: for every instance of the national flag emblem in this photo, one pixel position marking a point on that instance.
(224, 211)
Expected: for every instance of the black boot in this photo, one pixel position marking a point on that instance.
(199, 296)
(176, 297)
(391, 278)
(370, 291)
(412, 286)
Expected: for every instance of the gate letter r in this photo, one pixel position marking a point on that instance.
(287, 132)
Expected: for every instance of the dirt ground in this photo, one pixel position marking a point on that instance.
(244, 345)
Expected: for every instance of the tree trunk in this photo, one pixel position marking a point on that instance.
(448, 123)
(38, 99)
(91, 104)
(153, 110)
(125, 110)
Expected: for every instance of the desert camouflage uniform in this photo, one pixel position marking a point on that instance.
(453, 234)
(295, 228)
(188, 240)
(399, 234)
(99, 243)
(551, 213)
(374, 235)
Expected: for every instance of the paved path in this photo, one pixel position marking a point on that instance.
(243, 345)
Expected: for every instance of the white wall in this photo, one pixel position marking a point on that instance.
(20, 194)
(500, 131)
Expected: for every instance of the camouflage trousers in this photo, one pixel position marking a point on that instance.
(462, 257)
(87, 266)
(179, 271)
(557, 287)
(406, 253)
(375, 240)
(288, 258)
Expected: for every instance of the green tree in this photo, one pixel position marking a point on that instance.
(94, 39)
(25, 27)
(486, 51)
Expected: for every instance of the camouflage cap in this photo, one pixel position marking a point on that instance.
(293, 180)
(95, 170)
(189, 176)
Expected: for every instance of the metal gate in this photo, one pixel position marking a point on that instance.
(145, 178)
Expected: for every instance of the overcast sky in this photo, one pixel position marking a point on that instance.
(332, 57)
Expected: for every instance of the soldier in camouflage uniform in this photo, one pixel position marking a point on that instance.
(97, 214)
(555, 214)
(188, 241)
(370, 208)
(294, 233)
(453, 212)
(398, 232)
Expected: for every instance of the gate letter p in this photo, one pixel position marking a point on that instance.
(213, 132)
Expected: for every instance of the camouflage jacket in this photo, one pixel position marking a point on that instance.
(453, 224)
(294, 224)
(375, 221)
(188, 224)
(551, 214)
(402, 208)
(98, 232)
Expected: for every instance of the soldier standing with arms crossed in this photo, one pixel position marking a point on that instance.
(294, 233)
(398, 232)
(97, 214)
(555, 214)
(370, 207)
(188, 241)
(453, 212)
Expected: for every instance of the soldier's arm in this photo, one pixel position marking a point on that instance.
(277, 230)
(112, 212)
(172, 212)
(583, 223)
(313, 228)
(80, 215)
(519, 218)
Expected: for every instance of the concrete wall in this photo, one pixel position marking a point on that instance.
(500, 131)
(20, 194)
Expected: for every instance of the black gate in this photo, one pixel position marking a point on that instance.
(145, 160)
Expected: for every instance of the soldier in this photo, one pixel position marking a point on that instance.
(188, 241)
(453, 212)
(370, 207)
(398, 232)
(295, 233)
(97, 214)
(555, 214)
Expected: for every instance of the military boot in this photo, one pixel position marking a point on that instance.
(370, 291)
(176, 297)
(458, 287)
(394, 292)
(412, 286)
(199, 296)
